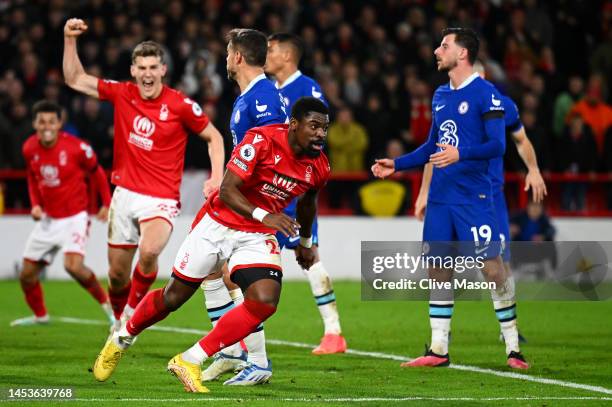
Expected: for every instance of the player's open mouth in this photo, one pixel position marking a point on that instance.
(148, 84)
(317, 145)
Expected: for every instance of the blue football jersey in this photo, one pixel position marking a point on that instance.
(260, 104)
(513, 123)
(299, 85)
(459, 117)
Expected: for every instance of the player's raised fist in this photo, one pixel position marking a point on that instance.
(74, 27)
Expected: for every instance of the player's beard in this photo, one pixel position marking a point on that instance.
(447, 67)
(231, 75)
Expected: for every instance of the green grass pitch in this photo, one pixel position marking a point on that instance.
(569, 342)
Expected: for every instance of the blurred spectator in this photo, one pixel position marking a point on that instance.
(578, 154)
(347, 141)
(420, 112)
(564, 102)
(93, 127)
(377, 122)
(532, 225)
(594, 111)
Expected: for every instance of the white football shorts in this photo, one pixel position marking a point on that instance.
(51, 235)
(210, 244)
(129, 209)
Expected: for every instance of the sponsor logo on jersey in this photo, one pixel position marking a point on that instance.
(50, 175)
(237, 117)
(316, 94)
(439, 107)
(163, 112)
(496, 103)
(63, 158)
(247, 152)
(284, 181)
(448, 135)
(280, 187)
(274, 192)
(277, 158)
(240, 164)
(257, 138)
(260, 108)
(463, 107)
(143, 129)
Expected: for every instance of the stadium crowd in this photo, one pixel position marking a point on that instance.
(374, 60)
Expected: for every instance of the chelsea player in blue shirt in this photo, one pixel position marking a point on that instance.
(467, 132)
(504, 310)
(284, 53)
(259, 104)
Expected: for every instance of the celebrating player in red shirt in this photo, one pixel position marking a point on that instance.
(271, 166)
(151, 125)
(58, 166)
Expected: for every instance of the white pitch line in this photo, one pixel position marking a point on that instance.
(377, 355)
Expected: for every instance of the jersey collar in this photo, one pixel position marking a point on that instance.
(253, 82)
(465, 82)
(289, 80)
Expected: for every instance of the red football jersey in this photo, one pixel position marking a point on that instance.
(273, 176)
(57, 175)
(150, 137)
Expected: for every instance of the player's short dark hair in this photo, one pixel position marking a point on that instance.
(466, 38)
(252, 44)
(306, 105)
(293, 40)
(148, 49)
(46, 106)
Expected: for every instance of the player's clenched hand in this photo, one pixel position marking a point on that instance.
(102, 214)
(283, 223)
(446, 157)
(535, 181)
(305, 256)
(37, 212)
(383, 168)
(211, 185)
(74, 27)
(419, 207)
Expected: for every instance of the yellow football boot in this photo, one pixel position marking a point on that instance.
(189, 374)
(107, 360)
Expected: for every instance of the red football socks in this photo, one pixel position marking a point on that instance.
(140, 286)
(92, 285)
(235, 325)
(118, 299)
(150, 310)
(34, 297)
